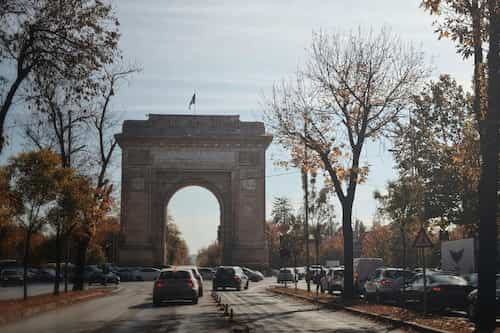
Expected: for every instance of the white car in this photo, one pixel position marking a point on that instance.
(146, 274)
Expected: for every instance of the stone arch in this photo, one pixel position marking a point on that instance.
(164, 153)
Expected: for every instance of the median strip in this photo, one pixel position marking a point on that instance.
(18, 309)
(385, 313)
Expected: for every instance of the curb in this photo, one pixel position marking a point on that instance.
(386, 319)
(30, 312)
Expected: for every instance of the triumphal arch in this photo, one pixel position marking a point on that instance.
(165, 153)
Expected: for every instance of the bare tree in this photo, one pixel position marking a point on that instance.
(104, 120)
(53, 40)
(353, 88)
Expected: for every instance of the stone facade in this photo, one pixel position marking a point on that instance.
(165, 153)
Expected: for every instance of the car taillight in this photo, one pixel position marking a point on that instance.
(159, 284)
(237, 278)
(385, 282)
(190, 283)
(436, 289)
(356, 276)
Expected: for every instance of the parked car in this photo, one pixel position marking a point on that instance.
(386, 284)
(175, 284)
(333, 280)
(10, 276)
(443, 291)
(301, 272)
(146, 274)
(198, 277)
(207, 273)
(230, 277)
(126, 274)
(363, 268)
(286, 275)
(472, 301)
(43, 275)
(471, 279)
(253, 276)
(103, 278)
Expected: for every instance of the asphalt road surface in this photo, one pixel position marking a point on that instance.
(262, 311)
(130, 310)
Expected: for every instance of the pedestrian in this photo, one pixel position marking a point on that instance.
(317, 280)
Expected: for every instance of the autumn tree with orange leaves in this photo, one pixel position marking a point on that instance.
(352, 89)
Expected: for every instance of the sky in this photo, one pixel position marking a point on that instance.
(231, 52)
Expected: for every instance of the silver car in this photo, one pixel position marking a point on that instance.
(286, 275)
(175, 284)
(386, 283)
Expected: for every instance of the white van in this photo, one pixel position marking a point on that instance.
(363, 268)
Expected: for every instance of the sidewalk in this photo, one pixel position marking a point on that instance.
(18, 309)
(386, 313)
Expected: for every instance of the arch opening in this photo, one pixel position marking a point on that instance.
(196, 211)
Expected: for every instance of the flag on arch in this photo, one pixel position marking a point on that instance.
(192, 101)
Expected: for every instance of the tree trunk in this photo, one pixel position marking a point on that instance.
(25, 263)
(7, 103)
(317, 243)
(58, 260)
(403, 244)
(488, 194)
(348, 291)
(82, 243)
(66, 261)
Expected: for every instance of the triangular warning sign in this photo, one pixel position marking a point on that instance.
(422, 240)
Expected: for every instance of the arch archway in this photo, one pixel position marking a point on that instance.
(168, 152)
(196, 213)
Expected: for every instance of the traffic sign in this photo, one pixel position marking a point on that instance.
(422, 240)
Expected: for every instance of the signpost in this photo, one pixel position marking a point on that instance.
(422, 242)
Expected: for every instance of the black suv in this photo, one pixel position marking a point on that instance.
(230, 277)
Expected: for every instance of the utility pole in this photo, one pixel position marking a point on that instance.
(306, 204)
(488, 187)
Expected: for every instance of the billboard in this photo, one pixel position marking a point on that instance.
(458, 256)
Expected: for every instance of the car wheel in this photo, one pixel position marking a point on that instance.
(238, 287)
(156, 302)
(471, 312)
(246, 287)
(195, 300)
(378, 298)
(200, 293)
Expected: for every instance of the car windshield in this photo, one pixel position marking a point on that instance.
(225, 271)
(286, 271)
(394, 274)
(448, 279)
(9, 272)
(174, 275)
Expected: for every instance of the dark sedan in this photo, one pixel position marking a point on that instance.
(442, 290)
(472, 301)
(230, 277)
(11, 277)
(103, 278)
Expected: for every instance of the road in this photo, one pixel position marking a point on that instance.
(262, 311)
(130, 310)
